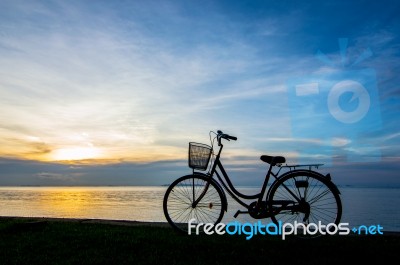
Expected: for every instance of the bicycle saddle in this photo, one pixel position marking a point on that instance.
(273, 160)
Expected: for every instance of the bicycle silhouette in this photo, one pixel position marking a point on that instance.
(301, 194)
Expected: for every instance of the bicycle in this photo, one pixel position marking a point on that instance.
(301, 194)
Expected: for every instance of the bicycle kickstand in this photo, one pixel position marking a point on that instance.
(240, 212)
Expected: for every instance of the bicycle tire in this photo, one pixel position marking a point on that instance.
(178, 199)
(322, 196)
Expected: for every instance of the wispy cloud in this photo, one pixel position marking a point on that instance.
(113, 80)
(137, 81)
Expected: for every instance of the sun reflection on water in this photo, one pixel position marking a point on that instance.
(118, 203)
(145, 204)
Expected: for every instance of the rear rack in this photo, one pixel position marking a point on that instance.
(293, 167)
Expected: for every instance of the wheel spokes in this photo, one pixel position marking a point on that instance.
(178, 202)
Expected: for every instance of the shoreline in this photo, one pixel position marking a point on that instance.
(87, 221)
(123, 222)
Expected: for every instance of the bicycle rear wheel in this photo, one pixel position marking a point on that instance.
(180, 195)
(308, 199)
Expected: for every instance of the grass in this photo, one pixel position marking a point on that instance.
(57, 242)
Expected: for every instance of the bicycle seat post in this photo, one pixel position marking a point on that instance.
(264, 187)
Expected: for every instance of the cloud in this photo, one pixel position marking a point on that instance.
(15, 172)
(112, 79)
(136, 81)
(48, 177)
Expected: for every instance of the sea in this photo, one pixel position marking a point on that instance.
(361, 205)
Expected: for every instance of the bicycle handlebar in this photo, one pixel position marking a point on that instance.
(221, 135)
(228, 137)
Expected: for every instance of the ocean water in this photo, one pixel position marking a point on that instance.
(361, 205)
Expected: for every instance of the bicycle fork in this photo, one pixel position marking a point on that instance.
(195, 202)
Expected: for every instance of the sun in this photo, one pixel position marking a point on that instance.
(76, 153)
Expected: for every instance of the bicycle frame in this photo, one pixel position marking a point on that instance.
(299, 193)
(237, 195)
(228, 186)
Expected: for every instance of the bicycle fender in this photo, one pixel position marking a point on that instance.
(327, 177)
(225, 200)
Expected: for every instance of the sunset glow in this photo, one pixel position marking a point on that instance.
(132, 82)
(76, 153)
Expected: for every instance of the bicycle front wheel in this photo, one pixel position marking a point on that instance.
(308, 199)
(178, 205)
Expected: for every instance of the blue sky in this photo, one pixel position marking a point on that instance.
(111, 92)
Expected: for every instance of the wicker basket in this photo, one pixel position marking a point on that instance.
(199, 155)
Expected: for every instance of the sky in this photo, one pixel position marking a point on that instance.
(111, 92)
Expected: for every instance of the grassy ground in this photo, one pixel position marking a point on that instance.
(60, 242)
